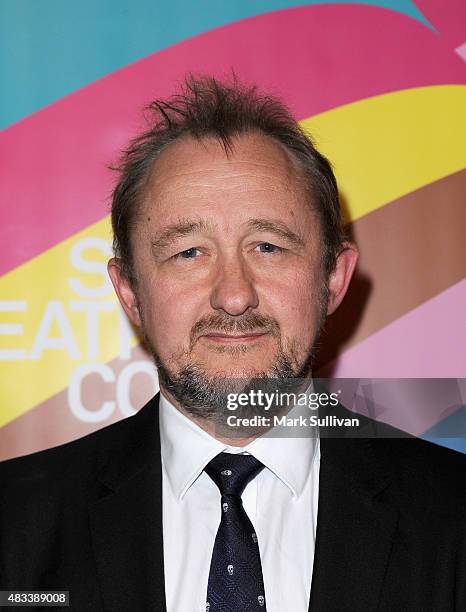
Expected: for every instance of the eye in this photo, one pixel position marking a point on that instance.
(267, 247)
(188, 253)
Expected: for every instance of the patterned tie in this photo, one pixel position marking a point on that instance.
(235, 579)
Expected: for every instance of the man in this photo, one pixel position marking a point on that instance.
(229, 255)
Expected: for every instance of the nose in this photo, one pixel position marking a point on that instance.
(233, 290)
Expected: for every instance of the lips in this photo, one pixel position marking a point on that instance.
(232, 338)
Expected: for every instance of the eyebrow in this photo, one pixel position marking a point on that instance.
(278, 228)
(178, 230)
(188, 227)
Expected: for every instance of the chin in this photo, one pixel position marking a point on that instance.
(247, 368)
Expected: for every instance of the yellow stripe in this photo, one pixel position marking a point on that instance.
(385, 147)
(381, 148)
(52, 277)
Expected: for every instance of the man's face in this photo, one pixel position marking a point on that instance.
(227, 256)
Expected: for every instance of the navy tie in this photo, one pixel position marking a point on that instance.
(235, 579)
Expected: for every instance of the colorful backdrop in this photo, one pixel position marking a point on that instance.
(381, 86)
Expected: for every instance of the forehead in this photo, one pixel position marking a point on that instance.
(256, 172)
(190, 154)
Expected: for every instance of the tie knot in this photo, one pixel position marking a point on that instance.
(231, 473)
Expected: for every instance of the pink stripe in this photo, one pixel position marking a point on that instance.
(428, 342)
(53, 178)
(448, 17)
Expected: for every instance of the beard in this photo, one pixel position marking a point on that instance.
(204, 395)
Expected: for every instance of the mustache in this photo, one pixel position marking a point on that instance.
(252, 322)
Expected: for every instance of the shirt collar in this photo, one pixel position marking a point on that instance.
(186, 449)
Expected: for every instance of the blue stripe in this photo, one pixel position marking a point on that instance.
(50, 48)
(450, 432)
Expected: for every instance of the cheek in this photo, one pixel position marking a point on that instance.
(170, 313)
(294, 303)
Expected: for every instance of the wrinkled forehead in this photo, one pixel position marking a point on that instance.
(205, 168)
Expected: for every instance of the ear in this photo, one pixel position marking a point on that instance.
(340, 278)
(124, 291)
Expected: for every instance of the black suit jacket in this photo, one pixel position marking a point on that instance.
(87, 517)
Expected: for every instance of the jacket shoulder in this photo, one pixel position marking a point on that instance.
(46, 496)
(71, 461)
(432, 477)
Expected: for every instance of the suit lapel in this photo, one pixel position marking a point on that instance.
(126, 519)
(355, 529)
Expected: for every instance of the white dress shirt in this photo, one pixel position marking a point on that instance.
(281, 503)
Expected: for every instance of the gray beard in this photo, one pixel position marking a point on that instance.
(205, 397)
